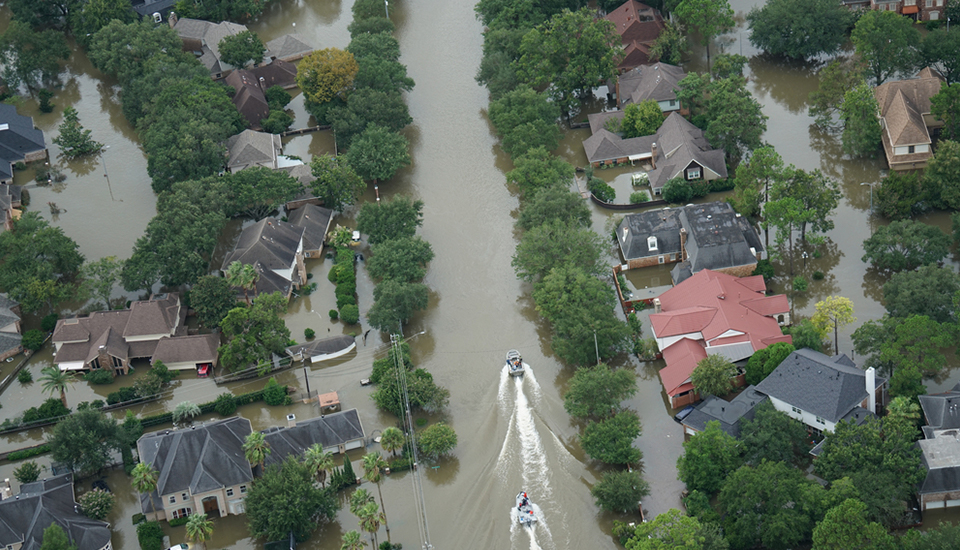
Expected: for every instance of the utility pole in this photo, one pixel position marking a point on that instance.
(595, 346)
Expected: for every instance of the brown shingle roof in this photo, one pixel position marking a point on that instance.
(250, 148)
(658, 82)
(902, 106)
(315, 221)
(201, 348)
(158, 315)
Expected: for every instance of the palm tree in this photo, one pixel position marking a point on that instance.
(256, 449)
(319, 462)
(238, 275)
(199, 529)
(145, 480)
(392, 440)
(373, 464)
(370, 520)
(353, 541)
(359, 499)
(185, 411)
(55, 380)
(250, 278)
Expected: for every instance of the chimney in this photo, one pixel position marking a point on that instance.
(683, 244)
(291, 420)
(172, 19)
(656, 305)
(653, 155)
(263, 84)
(625, 231)
(871, 383)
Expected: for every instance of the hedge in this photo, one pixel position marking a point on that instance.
(209, 407)
(177, 522)
(150, 535)
(29, 453)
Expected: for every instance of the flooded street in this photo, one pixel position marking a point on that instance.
(513, 433)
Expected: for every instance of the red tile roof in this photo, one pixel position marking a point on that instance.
(681, 358)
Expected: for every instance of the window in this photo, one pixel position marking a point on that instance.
(229, 492)
(911, 149)
(693, 173)
(173, 500)
(117, 362)
(673, 102)
(796, 410)
(183, 496)
(820, 420)
(243, 489)
(659, 259)
(929, 3)
(182, 513)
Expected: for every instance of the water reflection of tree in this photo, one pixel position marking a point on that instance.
(788, 82)
(110, 104)
(443, 471)
(83, 166)
(830, 255)
(873, 281)
(849, 172)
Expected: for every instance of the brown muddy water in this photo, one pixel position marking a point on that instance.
(513, 434)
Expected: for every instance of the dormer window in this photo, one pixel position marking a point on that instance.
(651, 244)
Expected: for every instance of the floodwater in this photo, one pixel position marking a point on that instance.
(513, 433)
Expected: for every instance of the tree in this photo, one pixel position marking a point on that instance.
(377, 154)
(498, 67)
(335, 183)
(836, 78)
(373, 464)
(538, 169)
(212, 298)
(404, 259)
(365, 107)
(385, 75)
(28, 472)
(927, 291)
(144, 480)
(122, 49)
(673, 530)
(73, 140)
(220, 10)
(395, 302)
(359, 499)
(375, 24)
(243, 276)
(900, 195)
(184, 412)
(753, 179)
(381, 46)
(392, 440)
(55, 538)
(799, 30)
(199, 528)
(436, 440)
(905, 245)
(713, 375)
(846, 527)
(764, 361)
(598, 391)
(96, 14)
(611, 440)
(761, 505)
(914, 341)
(525, 119)
(572, 68)
(541, 247)
(101, 276)
(942, 176)
(735, 121)
(255, 333)
(319, 462)
(299, 511)
(671, 45)
(940, 49)
(256, 192)
(83, 440)
(53, 380)
(772, 435)
(833, 312)
(370, 520)
(861, 129)
(887, 42)
(242, 49)
(394, 219)
(620, 492)
(256, 449)
(643, 119)
(549, 204)
(326, 74)
(97, 503)
(423, 392)
(710, 17)
(708, 458)
(353, 541)
(31, 58)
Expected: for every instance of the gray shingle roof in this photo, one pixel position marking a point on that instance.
(942, 410)
(941, 459)
(7, 316)
(18, 138)
(43, 503)
(271, 242)
(828, 387)
(209, 35)
(288, 46)
(664, 224)
(197, 459)
(250, 148)
(327, 431)
(730, 414)
(315, 221)
(657, 81)
(323, 346)
(679, 143)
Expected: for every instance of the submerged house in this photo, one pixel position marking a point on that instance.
(275, 249)
(334, 433)
(20, 141)
(940, 450)
(906, 123)
(639, 26)
(659, 82)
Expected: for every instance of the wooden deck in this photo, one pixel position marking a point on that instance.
(302, 131)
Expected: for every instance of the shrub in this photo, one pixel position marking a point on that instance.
(148, 385)
(28, 453)
(818, 275)
(25, 376)
(601, 190)
(677, 190)
(125, 393)
(45, 105)
(97, 503)
(276, 122)
(49, 322)
(99, 376)
(225, 404)
(345, 301)
(150, 535)
(28, 472)
(185, 411)
(309, 333)
(350, 314)
(274, 394)
(723, 184)
(277, 97)
(334, 314)
(138, 518)
(347, 288)
(51, 408)
(800, 284)
(638, 197)
(177, 522)
(32, 339)
(765, 268)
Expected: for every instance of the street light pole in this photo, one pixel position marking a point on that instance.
(386, 8)
(871, 184)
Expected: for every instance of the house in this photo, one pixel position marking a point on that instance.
(20, 141)
(275, 249)
(820, 390)
(940, 450)
(713, 313)
(918, 10)
(730, 414)
(304, 175)
(658, 82)
(154, 10)
(323, 349)
(250, 148)
(906, 121)
(10, 205)
(111, 339)
(696, 237)
(202, 38)
(335, 433)
(638, 25)
(289, 47)
(315, 221)
(248, 98)
(277, 73)
(40, 504)
(200, 469)
(678, 150)
(195, 353)
(10, 338)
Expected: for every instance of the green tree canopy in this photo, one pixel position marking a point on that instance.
(713, 375)
(641, 119)
(122, 50)
(710, 17)
(220, 10)
(818, 195)
(772, 435)
(259, 191)
(905, 245)
(381, 45)
(731, 118)
(537, 169)
(845, 527)
(436, 440)
(370, 25)
(611, 440)
(101, 276)
(671, 45)
(300, 510)
(708, 458)
(833, 312)
(404, 259)
(861, 128)
(378, 153)
(620, 492)
(84, 440)
(549, 204)
(242, 49)
(940, 49)
(395, 303)
(754, 178)
(915, 340)
(212, 299)
(598, 391)
(336, 183)
(673, 530)
(31, 58)
(423, 392)
(764, 361)
(368, 106)
(836, 78)
(55, 538)
(73, 139)
(384, 75)
(942, 176)
(541, 248)
(498, 67)
(799, 29)
(391, 219)
(525, 119)
(887, 42)
(899, 195)
(927, 291)
(96, 14)
(255, 333)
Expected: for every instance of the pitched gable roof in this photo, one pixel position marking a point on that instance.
(251, 148)
(18, 138)
(199, 348)
(828, 387)
(43, 503)
(941, 459)
(730, 414)
(278, 73)
(678, 144)
(288, 46)
(208, 35)
(658, 81)
(158, 315)
(941, 410)
(327, 431)
(270, 242)
(248, 97)
(638, 25)
(315, 221)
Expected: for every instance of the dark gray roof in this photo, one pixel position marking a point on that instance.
(941, 459)
(680, 143)
(9, 341)
(18, 138)
(315, 221)
(657, 81)
(323, 346)
(327, 431)
(270, 282)
(942, 410)
(196, 459)
(730, 414)
(7, 316)
(149, 7)
(43, 503)
(633, 231)
(829, 387)
(271, 242)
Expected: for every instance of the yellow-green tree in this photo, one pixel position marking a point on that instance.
(833, 312)
(326, 74)
(641, 119)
